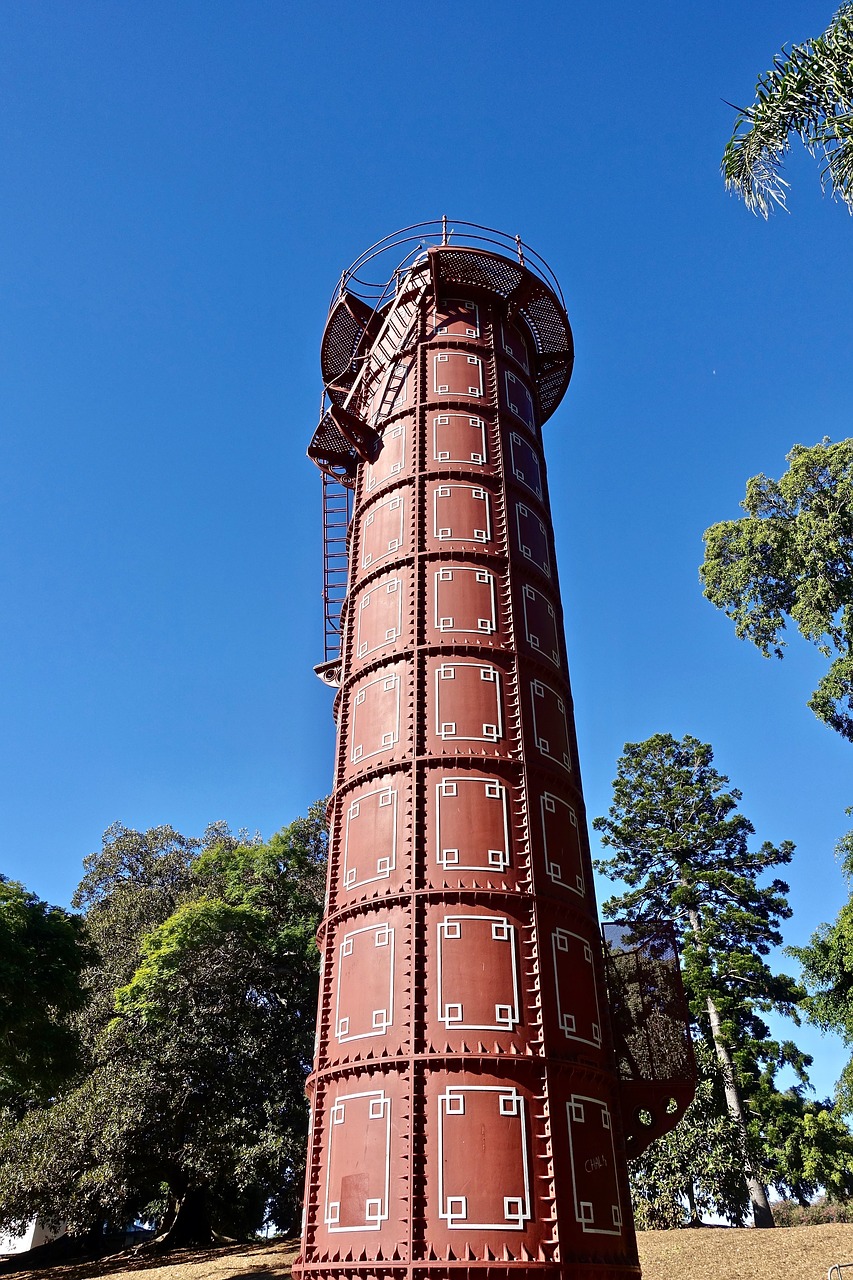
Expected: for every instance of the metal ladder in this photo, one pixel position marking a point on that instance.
(337, 511)
(394, 337)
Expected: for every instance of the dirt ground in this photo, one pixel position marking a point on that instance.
(786, 1253)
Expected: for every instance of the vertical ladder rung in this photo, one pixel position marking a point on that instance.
(337, 510)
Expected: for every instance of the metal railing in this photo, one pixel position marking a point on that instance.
(416, 239)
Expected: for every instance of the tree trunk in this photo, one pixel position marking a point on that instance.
(695, 1221)
(169, 1216)
(762, 1214)
(190, 1225)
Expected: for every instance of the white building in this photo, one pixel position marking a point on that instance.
(36, 1233)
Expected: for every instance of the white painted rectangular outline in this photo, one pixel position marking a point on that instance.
(576, 1113)
(491, 732)
(392, 736)
(538, 689)
(393, 433)
(376, 1208)
(388, 588)
(560, 941)
(548, 804)
(524, 450)
(472, 330)
(530, 593)
(385, 863)
(493, 859)
(524, 513)
(445, 532)
(507, 1016)
(454, 1208)
(383, 936)
(392, 503)
(475, 456)
(514, 347)
(475, 379)
(519, 400)
(485, 626)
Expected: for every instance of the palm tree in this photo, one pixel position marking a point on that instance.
(808, 92)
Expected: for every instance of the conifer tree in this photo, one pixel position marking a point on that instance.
(682, 849)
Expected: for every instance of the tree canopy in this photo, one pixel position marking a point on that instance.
(791, 558)
(129, 887)
(683, 851)
(827, 963)
(199, 1036)
(808, 93)
(43, 952)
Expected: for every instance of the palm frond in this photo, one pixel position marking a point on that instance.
(807, 93)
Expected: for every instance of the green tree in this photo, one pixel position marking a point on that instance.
(43, 952)
(808, 93)
(806, 1146)
(698, 1164)
(827, 964)
(193, 1110)
(697, 1168)
(129, 887)
(683, 851)
(791, 557)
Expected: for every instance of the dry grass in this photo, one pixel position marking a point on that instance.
(720, 1253)
(786, 1253)
(248, 1261)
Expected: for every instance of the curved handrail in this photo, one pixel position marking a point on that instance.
(417, 237)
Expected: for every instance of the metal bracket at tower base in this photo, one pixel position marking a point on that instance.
(651, 1108)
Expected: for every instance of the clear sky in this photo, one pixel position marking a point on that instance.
(182, 185)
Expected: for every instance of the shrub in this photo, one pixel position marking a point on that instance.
(787, 1213)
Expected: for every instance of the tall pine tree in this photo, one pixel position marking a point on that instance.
(682, 850)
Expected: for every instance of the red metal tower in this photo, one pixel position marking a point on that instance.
(466, 1109)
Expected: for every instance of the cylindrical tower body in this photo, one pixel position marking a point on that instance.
(465, 1113)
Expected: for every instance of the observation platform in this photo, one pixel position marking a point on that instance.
(446, 255)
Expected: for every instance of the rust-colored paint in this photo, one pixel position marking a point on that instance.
(465, 1096)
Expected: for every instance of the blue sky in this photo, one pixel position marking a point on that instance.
(183, 184)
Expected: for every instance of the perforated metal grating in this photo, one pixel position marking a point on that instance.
(651, 1020)
(537, 304)
(551, 380)
(478, 268)
(346, 324)
(331, 448)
